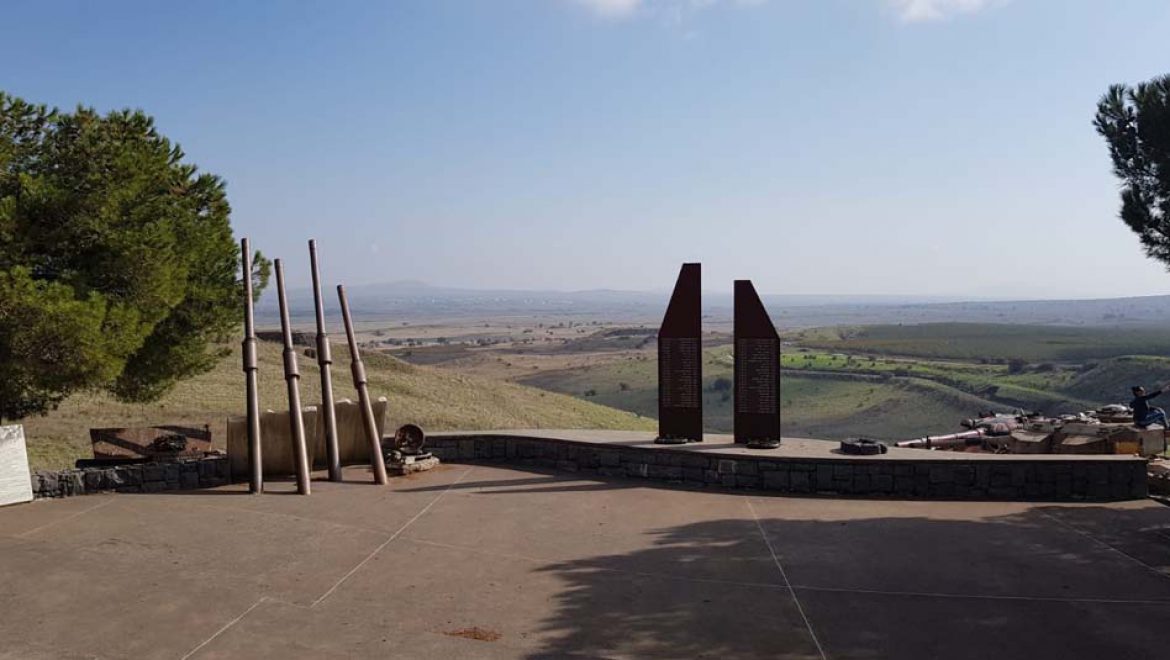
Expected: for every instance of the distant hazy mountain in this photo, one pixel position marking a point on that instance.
(414, 301)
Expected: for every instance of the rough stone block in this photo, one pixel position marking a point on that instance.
(1118, 490)
(665, 472)
(727, 466)
(800, 482)
(824, 476)
(1019, 475)
(1139, 487)
(664, 457)
(73, 483)
(1098, 473)
(1121, 472)
(862, 484)
(1007, 492)
(691, 461)
(152, 472)
(49, 482)
(1098, 490)
(921, 484)
(111, 479)
(131, 474)
(747, 481)
(941, 474)
(93, 480)
(189, 480)
(467, 448)
(964, 474)
(693, 474)
(776, 480)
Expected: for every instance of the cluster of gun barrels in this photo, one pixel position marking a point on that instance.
(292, 377)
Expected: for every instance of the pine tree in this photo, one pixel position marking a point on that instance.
(118, 268)
(1135, 122)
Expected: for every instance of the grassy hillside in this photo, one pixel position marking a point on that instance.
(435, 399)
(1113, 378)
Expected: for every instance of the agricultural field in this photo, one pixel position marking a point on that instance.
(986, 341)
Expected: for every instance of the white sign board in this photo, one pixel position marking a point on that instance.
(15, 482)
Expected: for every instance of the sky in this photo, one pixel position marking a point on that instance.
(908, 147)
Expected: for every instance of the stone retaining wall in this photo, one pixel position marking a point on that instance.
(135, 478)
(1007, 478)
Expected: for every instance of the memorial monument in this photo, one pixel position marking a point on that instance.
(680, 362)
(757, 371)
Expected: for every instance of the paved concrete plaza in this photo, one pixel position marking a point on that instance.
(485, 562)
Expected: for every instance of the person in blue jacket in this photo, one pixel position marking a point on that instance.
(1143, 414)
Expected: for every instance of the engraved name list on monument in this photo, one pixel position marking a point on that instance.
(679, 364)
(756, 378)
(15, 482)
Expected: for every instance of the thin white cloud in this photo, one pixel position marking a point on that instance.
(921, 11)
(622, 9)
(611, 8)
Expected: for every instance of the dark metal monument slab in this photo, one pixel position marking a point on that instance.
(680, 362)
(757, 371)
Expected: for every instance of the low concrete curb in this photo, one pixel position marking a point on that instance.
(1006, 478)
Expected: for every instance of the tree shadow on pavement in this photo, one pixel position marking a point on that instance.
(1079, 582)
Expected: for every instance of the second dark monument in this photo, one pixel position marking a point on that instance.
(680, 362)
(757, 371)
